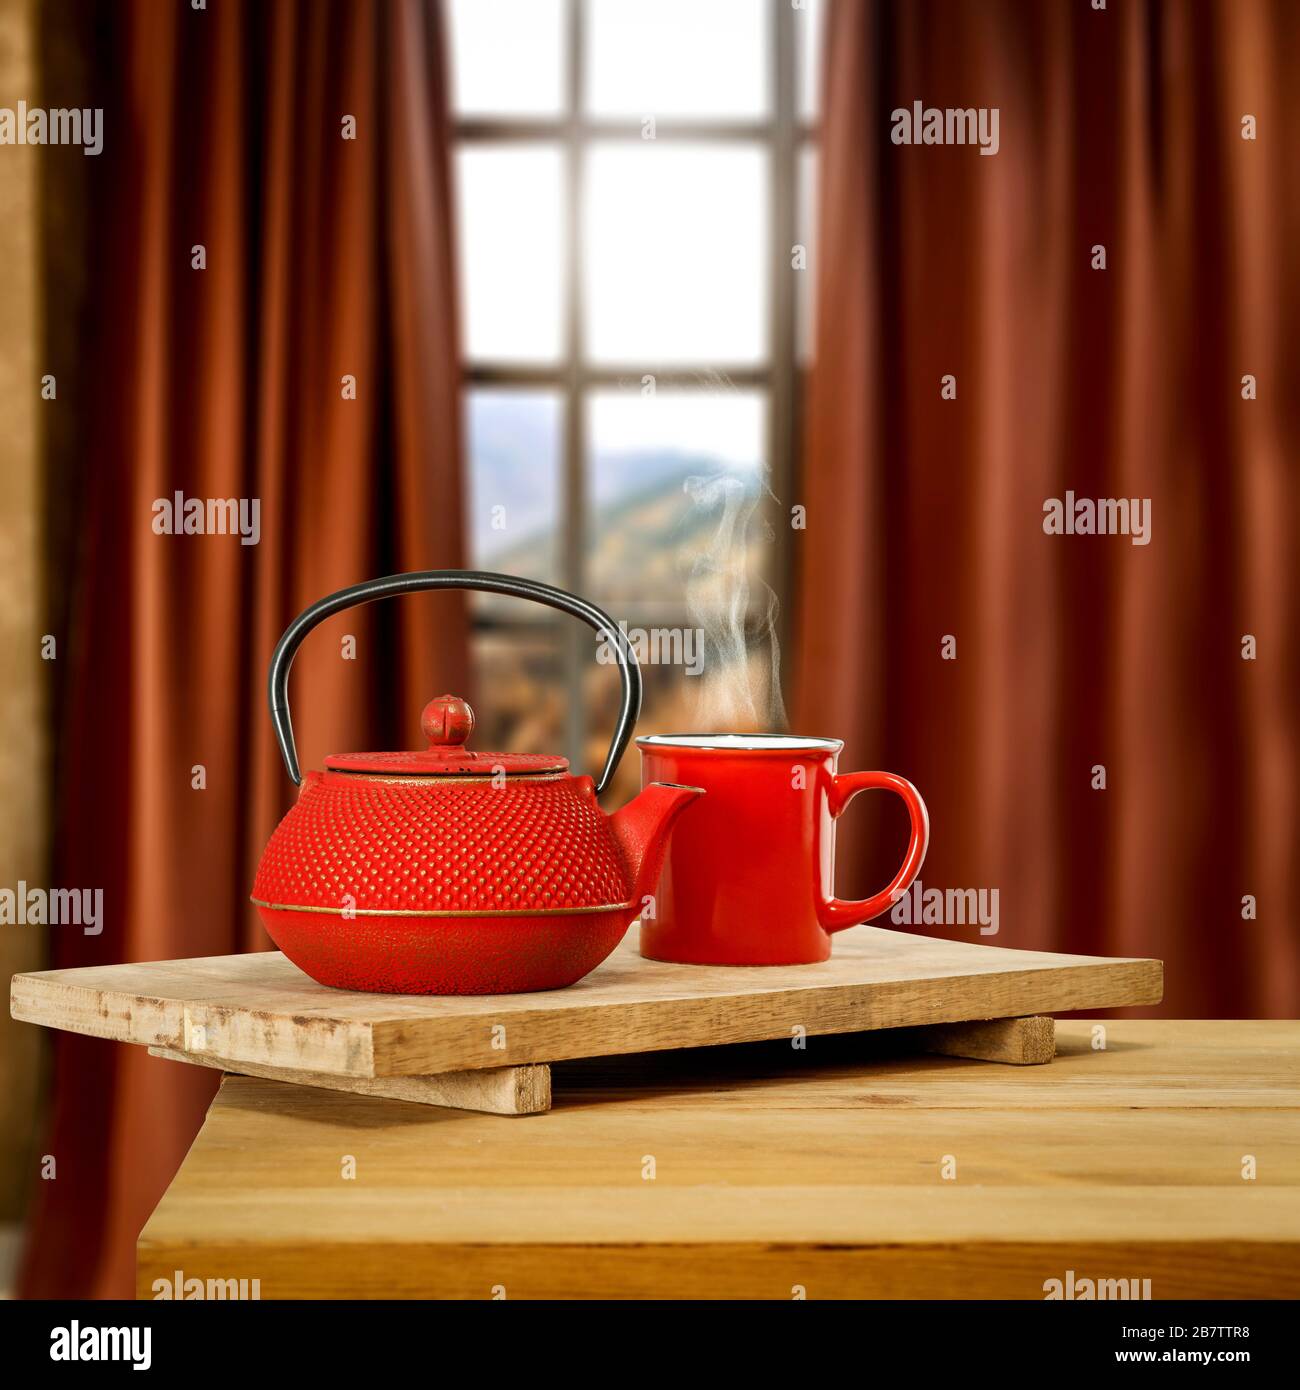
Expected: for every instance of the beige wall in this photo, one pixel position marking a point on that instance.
(23, 675)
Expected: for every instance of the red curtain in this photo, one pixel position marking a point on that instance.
(1120, 128)
(325, 258)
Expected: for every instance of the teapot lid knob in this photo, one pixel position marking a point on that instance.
(447, 720)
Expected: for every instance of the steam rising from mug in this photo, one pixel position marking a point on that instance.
(740, 687)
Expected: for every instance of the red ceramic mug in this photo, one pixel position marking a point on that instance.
(749, 876)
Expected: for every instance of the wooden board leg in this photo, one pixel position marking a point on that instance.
(1020, 1041)
(522, 1090)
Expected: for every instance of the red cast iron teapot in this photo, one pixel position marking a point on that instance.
(447, 871)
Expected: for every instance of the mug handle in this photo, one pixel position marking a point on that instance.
(838, 913)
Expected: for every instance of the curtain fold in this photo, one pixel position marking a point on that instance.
(326, 260)
(1119, 128)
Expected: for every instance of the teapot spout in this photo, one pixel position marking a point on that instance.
(642, 828)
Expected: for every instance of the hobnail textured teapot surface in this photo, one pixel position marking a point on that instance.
(444, 830)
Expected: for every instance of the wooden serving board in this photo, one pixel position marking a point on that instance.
(259, 1014)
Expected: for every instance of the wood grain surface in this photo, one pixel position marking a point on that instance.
(836, 1169)
(494, 1090)
(262, 1009)
(1022, 1042)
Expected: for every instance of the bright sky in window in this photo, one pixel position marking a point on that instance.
(675, 260)
(507, 57)
(511, 250)
(718, 421)
(677, 58)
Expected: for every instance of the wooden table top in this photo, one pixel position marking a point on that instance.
(764, 1171)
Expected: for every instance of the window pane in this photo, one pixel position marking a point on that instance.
(809, 23)
(676, 253)
(511, 250)
(521, 692)
(662, 472)
(677, 58)
(515, 439)
(521, 76)
(680, 549)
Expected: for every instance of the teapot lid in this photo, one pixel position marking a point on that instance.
(447, 722)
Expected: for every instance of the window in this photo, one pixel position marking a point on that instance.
(632, 180)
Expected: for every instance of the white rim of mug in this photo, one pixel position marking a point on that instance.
(741, 743)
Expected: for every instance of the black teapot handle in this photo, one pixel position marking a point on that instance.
(507, 584)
